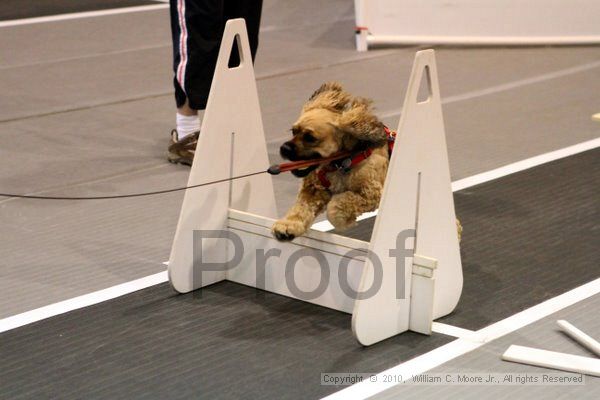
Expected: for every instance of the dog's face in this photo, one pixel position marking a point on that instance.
(331, 121)
(315, 135)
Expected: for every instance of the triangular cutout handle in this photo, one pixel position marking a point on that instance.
(236, 56)
(423, 87)
(425, 91)
(235, 48)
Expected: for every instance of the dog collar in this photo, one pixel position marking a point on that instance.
(346, 164)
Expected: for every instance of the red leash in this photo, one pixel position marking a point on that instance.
(354, 158)
(285, 167)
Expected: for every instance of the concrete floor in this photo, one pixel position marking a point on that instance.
(86, 108)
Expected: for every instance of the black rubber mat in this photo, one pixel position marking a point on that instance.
(225, 343)
(527, 237)
(17, 9)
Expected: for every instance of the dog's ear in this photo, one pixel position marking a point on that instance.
(327, 87)
(357, 119)
(330, 96)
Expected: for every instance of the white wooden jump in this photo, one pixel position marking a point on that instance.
(476, 22)
(387, 289)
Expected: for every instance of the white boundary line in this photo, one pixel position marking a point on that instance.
(85, 300)
(457, 332)
(122, 10)
(51, 310)
(461, 346)
(85, 14)
(496, 173)
(525, 164)
(494, 89)
(509, 85)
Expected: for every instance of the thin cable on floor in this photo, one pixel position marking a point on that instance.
(123, 196)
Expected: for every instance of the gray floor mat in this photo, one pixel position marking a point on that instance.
(111, 95)
(16, 9)
(543, 334)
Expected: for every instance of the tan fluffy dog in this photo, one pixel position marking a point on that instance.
(333, 121)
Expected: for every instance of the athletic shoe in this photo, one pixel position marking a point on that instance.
(182, 151)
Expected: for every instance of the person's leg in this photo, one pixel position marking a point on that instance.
(186, 110)
(186, 121)
(200, 35)
(196, 28)
(251, 11)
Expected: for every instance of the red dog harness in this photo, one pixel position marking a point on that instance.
(346, 164)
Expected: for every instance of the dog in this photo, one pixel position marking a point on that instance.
(334, 121)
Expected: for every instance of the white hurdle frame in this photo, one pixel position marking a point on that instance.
(417, 199)
(476, 22)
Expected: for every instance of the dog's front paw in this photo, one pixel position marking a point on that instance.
(285, 230)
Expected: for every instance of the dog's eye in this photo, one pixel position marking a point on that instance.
(308, 138)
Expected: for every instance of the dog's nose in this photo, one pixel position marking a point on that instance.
(287, 150)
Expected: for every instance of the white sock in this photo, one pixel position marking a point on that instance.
(186, 125)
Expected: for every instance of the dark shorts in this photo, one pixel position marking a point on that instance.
(197, 28)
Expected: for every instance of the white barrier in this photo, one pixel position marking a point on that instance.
(321, 267)
(476, 22)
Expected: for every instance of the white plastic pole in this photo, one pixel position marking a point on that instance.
(582, 338)
(552, 359)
